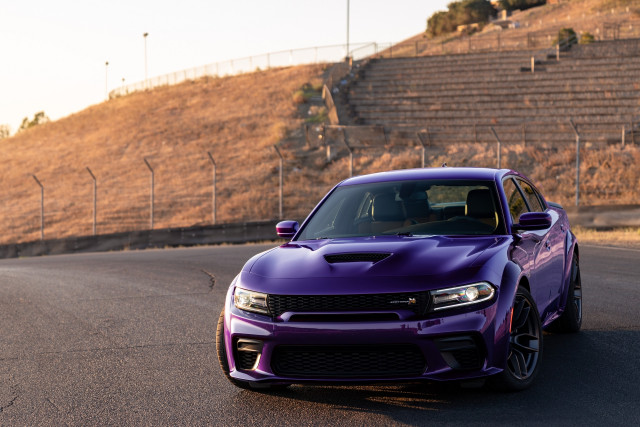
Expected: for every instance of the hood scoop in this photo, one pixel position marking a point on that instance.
(356, 257)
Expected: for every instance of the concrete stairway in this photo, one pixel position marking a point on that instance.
(456, 94)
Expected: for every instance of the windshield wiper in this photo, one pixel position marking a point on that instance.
(405, 233)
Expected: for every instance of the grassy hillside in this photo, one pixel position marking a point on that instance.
(237, 119)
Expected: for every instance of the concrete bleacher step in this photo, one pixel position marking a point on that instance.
(483, 89)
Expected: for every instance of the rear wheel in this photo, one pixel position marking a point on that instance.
(571, 319)
(525, 345)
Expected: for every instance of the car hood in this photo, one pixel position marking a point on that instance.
(417, 263)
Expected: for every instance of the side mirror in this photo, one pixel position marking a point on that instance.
(531, 221)
(287, 229)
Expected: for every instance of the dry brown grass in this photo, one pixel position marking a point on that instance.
(626, 237)
(236, 118)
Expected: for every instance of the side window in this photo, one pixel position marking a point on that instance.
(532, 196)
(517, 206)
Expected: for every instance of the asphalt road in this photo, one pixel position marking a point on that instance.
(128, 338)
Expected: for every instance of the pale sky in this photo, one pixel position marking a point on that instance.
(53, 52)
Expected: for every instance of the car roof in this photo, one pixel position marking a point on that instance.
(429, 173)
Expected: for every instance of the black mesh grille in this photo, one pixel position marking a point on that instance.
(462, 352)
(356, 257)
(348, 361)
(468, 358)
(418, 302)
(247, 359)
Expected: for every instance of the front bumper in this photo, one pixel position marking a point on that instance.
(465, 345)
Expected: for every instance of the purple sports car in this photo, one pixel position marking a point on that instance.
(426, 274)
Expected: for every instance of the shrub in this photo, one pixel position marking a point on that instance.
(38, 119)
(520, 4)
(298, 97)
(5, 131)
(586, 38)
(566, 38)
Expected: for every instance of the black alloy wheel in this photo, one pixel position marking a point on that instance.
(524, 340)
(571, 319)
(525, 345)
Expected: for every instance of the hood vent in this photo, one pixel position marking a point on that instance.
(356, 257)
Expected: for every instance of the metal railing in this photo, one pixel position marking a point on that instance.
(283, 58)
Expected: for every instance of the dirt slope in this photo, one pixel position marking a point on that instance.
(237, 119)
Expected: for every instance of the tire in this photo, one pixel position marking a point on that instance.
(525, 346)
(222, 354)
(224, 364)
(570, 321)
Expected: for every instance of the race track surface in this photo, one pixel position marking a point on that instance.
(128, 338)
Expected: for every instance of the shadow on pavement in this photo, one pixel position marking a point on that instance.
(587, 378)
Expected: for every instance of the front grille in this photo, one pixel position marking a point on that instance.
(356, 257)
(348, 361)
(417, 302)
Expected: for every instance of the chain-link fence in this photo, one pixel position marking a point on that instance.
(601, 167)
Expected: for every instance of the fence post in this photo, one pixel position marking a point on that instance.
(423, 149)
(575, 130)
(213, 192)
(281, 181)
(344, 134)
(95, 198)
(268, 61)
(499, 147)
(633, 139)
(623, 136)
(41, 206)
(524, 134)
(323, 138)
(558, 52)
(475, 133)
(151, 202)
(499, 44)
(533, 64)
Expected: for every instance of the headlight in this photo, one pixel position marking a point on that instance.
(462, 295)
(251, 301)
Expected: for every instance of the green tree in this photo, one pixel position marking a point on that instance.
(39, 118)
(520, 4)
(5, 131)
(459, 13)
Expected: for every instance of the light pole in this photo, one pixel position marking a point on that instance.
(106, 80)
(347, 55)
(145, 59)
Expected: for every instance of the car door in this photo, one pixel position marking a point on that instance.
(549, 261)
(526, 247)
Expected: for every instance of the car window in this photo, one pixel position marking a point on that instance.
(411, 207)
(517, 206)
(531, 196)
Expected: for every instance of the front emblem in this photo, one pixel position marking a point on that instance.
(409, 301)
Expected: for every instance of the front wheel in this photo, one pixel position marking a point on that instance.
(525, 345)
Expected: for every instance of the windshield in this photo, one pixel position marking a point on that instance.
(420, 207)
